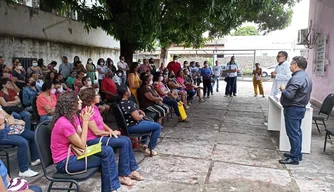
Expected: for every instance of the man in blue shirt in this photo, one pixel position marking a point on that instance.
(295, 97)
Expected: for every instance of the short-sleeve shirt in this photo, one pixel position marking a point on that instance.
(181, 80)
(11, 95)
(103, 69)
(143, 68)
(174, 66)
(127, 108)
(143, 101)
(232, 67)
(122, 65)
(160, 85)
(99, 123)
(62, 129)
(42, 101)
(206, 72)
(108, 84)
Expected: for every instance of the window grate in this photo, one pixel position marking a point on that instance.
(26, 62)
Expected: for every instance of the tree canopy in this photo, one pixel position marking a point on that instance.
(140, 24)
(246, 31)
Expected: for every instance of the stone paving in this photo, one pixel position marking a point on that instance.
(225, 147)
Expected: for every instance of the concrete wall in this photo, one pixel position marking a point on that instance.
(322, 14)
(29, 32)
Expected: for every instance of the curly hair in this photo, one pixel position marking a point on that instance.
(87, 96)
(67, 106)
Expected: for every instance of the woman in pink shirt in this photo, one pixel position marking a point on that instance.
(190, 93)
(127, 164)
(67, 129)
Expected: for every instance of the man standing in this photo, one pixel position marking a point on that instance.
(65, 68)
(174, 66)
(282, 73)
(295, 97)
(154, 68)
(122, 65)
(234, 91)
(217, 72)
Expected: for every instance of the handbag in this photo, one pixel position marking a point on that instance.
(11, 109)
(226, 78)
(182, 112)
(15, 129)
(82, 153)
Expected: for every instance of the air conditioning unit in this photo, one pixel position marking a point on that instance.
(302, 37)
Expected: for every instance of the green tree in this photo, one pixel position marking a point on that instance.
(139, 24)
(246, 31)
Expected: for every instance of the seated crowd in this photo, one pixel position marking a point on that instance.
(44, 93)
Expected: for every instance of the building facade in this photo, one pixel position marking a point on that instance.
(29, 32)
(321, 20)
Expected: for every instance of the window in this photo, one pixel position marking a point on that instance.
(26, 62)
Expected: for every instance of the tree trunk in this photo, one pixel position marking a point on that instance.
(164, 56)
(127, 50)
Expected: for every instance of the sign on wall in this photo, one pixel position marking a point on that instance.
(320, 55)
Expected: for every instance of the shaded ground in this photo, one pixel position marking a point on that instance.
(226, 147)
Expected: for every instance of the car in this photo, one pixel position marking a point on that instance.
(267, 71)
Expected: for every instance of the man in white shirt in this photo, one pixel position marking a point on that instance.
(217, 73)
(282, 73)
(122, 65)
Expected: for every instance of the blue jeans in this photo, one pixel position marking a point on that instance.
(190, 94)
(127, 161)
(46, 117)
(172, 103)
(230, 85)
(104, 159)
(27, 138)
(293, 120)
(25, 116)
(216, 78)
(145, 127)
(35, 188)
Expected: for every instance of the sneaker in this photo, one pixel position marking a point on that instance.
(230, 96)
(234, 95)
(212, 94)
(37, 162)
(28, 173)
(225, 95)
(217, 90)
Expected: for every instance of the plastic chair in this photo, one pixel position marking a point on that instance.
(325, 109)
(121, 123)
(42, 139)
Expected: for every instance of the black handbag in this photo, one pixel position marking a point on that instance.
(11, 109)
(226, 78)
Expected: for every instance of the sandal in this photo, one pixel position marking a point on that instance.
(126, 181)
(147, 152)
(142, 147)
(136, 176)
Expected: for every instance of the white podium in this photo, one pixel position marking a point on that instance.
(276, 123)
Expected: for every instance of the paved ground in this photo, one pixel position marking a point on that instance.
(226, 147)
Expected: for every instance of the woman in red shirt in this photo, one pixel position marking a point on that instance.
(11, 103)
